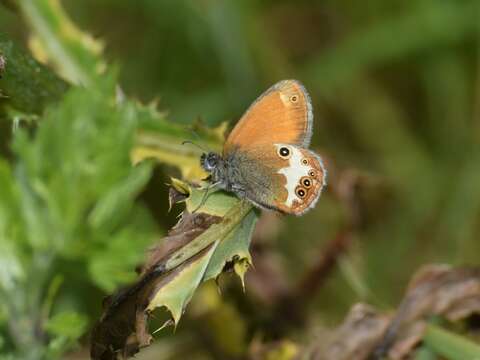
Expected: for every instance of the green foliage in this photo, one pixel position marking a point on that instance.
(67, 199)
(27, 86)
(64, 328)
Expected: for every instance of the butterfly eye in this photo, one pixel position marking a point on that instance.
(293, 98)
(305, 181)
(305, 161)
(284, 152)
(301, 192)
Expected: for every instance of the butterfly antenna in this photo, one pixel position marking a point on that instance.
(195, 144)
(199, 139)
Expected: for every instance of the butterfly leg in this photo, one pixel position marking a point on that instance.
(205, 196)
(207, 180)
(239, 191)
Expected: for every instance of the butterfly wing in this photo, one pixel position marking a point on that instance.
(282, 114)
(267, 150)
(273, 179)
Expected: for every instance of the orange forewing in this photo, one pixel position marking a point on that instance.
(282, 114)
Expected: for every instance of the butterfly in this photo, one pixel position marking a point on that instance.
(265, 157)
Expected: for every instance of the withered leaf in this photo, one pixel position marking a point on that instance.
(435, 290)
(357, 337)
(452, 293)
(176, 193)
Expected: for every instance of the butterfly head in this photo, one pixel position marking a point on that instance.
(210, 161)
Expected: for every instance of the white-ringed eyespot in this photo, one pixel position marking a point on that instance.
(301, 192)
(306, 181)
(284, 152)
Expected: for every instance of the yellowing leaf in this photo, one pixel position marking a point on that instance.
(188, 162)
(163, 141)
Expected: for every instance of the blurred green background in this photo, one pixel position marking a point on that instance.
(396, 93)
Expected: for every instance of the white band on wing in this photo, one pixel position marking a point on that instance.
(293, 173)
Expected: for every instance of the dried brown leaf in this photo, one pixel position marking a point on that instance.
(439, 290)
(356, 337)
(435, 290)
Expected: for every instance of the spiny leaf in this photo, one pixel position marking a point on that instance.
(234, 248)
(77, 56)
(120, 196)
(197, 249)
(179, 289)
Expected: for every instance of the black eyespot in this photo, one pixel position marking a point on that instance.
(294, 98)
(300, 192)
(284, 152)
(305, 161)
(312, 173)
(307, 183)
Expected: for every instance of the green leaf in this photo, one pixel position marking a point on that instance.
(26, 85)
(176, 294)
(69, 202)
(65, 328)
(450, 345)
(234, 248)
(113, 260)
(10, 225)
(219, 246)
(227, 241)
(67, 324)
(234, 213)
(120, 196)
